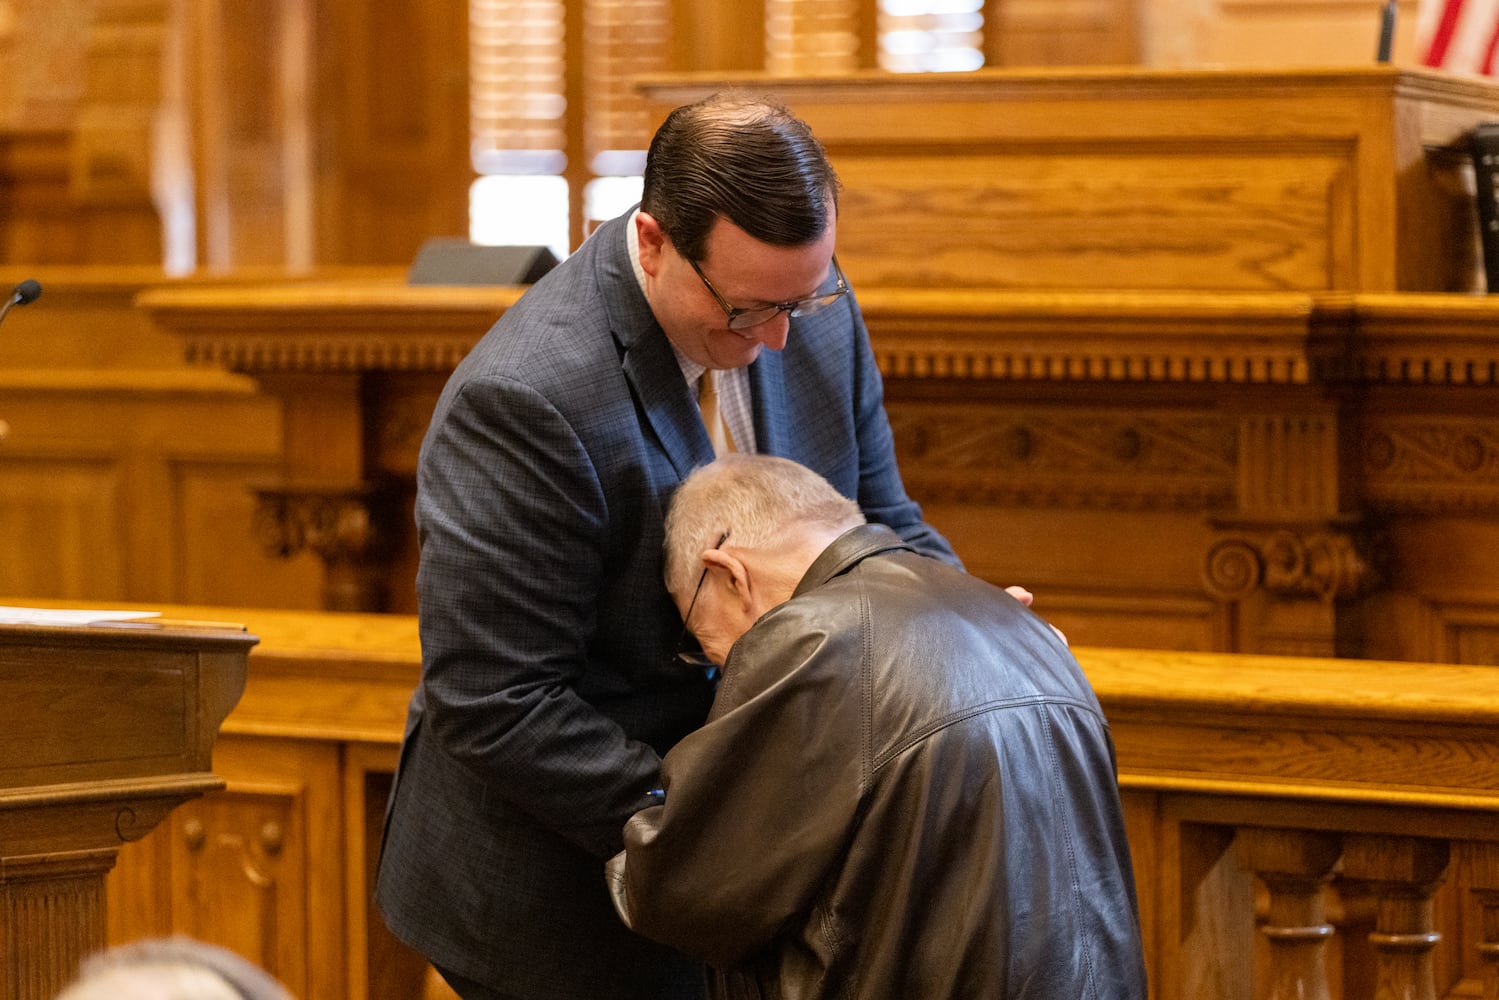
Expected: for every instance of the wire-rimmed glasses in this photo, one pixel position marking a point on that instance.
(743, 319)
(684, 656)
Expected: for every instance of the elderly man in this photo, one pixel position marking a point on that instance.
(905, 787)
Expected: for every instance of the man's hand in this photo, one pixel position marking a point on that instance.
(1026, 597)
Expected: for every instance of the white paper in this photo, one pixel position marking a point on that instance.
(67, 616)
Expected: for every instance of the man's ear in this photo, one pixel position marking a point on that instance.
(739, 577)
(652, 242)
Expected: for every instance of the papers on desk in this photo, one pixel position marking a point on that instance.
(103, 618)
(69, 616)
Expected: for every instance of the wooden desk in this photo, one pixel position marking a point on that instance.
(106, 730)
(1283, 472)
(1352, 178)
(279, 866)
(1375, 781)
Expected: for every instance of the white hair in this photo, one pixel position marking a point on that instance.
(177, 968)
(758, 500)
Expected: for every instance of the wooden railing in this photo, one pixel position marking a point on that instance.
(1300, 827)
(1347, 809)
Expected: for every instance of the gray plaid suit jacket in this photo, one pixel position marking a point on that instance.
(548, 694)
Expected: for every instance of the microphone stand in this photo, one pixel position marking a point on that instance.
(25, 293)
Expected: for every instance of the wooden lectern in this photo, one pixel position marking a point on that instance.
(106, 728)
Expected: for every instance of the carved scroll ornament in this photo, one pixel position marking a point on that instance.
(1326, 565)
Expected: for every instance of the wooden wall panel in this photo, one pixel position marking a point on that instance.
(46, 218)
(1191, 471)
(214, 497)
(255, 868)
(85, 319)
(137, 489)
(392, 123)
(234, 134)
(1283, 32)
(1137, 591)
(1102, 509)
(1068, 215)
(249, 76)
(60, 523)
(337, 130)
(1071, 33)
(1347, 179)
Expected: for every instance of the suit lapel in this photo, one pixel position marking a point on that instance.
(646, 356)
(656, 379)
(768, 399)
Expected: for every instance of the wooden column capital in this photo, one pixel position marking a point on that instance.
(1319, 562)
(348, 527)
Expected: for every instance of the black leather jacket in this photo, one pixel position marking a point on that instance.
(905, 790)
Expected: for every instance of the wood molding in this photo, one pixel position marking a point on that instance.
(1073, 457)
(1321, 562)
(971, 334)
(1103, 336)
(1416, 339)
(319, 327)
(1270, 338)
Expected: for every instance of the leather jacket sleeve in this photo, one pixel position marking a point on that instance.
(906, 788)
(737, 850)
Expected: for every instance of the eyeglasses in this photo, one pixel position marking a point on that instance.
(743, 319)
(695, 657)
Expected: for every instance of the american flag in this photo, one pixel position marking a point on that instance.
(1459, 35)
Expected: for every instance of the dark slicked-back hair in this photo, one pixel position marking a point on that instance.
(744, 158)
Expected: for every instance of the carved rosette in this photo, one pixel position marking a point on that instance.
(1325, 564)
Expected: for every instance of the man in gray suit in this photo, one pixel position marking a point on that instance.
(550, 689)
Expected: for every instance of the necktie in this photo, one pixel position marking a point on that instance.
(707, 404)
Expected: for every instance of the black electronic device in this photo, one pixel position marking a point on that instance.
(446, 260)
(1484, 144)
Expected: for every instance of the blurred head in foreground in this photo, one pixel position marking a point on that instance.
(171, 969)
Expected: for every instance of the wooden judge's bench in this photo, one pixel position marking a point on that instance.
(1198, 357)
(1190, 354)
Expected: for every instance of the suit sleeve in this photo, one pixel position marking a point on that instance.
(760, 802)
(511, 514)
(882, 493)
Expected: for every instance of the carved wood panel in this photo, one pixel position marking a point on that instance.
(1431, 463)
(1066, 456)
(245, 862)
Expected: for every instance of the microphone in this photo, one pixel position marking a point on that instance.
(25, 293)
